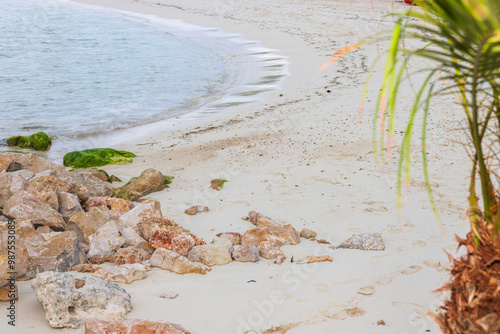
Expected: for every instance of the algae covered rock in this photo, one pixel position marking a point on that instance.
(96, 157)
(39, 141)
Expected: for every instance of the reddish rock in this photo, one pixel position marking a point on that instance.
(172, 261)
(179, 242)
(48, 183)
(148, 225)
(234, 237)
(258, 218)
(59, 252)
(116, 206)
(33, 163)
(25, 205)
(9, 185)
(278, 235)
(131, 255)
(5, 161)
(132, 326)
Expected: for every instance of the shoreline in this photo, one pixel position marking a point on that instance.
(305, 159)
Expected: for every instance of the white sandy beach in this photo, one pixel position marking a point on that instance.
(300, 156)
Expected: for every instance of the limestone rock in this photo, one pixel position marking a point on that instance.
(5, 161)
(248, 253)
(116, 206)
(148, 225)
(25, 205)
(108, 237)
(278, 235)
(69, 301)
(84, 224)
(9, 185)
(58, 253)
(169, 295)
(308, 234)
(85, 268)
(312, 259)
(33, 163)
(234, 237)
(216, 254)
(196, 209)
(148, 209)
(364, 241)
(68, 205)
(146, 247)
(257, 219)
(172, 261)
(149, 181)
(48, 183)
(102, 257)
(132, 238)
(25, 174)
(268, 251)
(51, 199)
(132, 326)
(94, 185)
(179, 242)
(124, 274)
(131, 255)
(24, 229)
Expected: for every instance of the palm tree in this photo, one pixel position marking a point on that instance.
(461, 39)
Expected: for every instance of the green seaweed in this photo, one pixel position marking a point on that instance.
(39, 141)
(96, 157)
(168, 180)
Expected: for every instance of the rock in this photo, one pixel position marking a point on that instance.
(5, 161)
(108, 238)
(278, 235)
(132, 326)
(217, 184)
(124, 274)
(172, 261)
(146, 247)
(102, 257)
(95, 186)
(68, 301)
(131, 255)
(268, 251)
(179, 242)
(148, 225)
(51, 199)
(96, 157)
(24, 229)
(313, 259)
(25, 174)
(48, 183)
(364, 241)
(195, 209)
(9, 292)
(216, 254)
(308, 234)
(248, 253)
(19, 264)
(257, 219)
(85, 268)
(84, 224)
(68, 205)
(148, 209)
(39, 141)
(234, 237)
(25, 205)
(132, 237)
(149, 181)
(33, 163)
(169, 295)
(116, 206)
(9, 185)
(381, 322)
(58, 253)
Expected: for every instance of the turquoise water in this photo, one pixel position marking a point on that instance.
(74, 71)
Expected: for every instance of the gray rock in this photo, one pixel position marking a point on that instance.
(94, 185)
(26, 174)
(364, 241)
(247, 253)
(169, 295)
(69, 301)
(68, 205)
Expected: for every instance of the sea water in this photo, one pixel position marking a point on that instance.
(75, 71)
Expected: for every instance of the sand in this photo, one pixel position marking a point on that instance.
(301, 156)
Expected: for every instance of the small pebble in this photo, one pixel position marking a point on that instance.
(169, 295)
